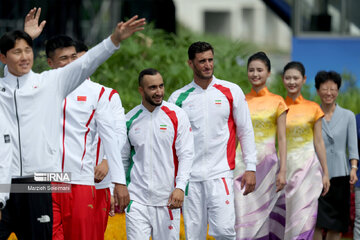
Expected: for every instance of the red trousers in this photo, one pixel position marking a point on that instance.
(74, 213)
(102, 209)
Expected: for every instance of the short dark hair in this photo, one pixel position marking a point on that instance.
(295, 65)
(147, 71)
(8, 40)
(199, 47)
(324, 76)
(262, 57)
(60, 41)
(81, 47)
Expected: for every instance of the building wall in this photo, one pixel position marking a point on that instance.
(247, 20)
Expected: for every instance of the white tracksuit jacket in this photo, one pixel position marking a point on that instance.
(217, 115)
(158, 154)
(86, 115)
(33, 109)
(5, 160)
(118, 112)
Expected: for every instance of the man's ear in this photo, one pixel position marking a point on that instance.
(3, 58)
(141, 90)
(50, 62)
(190, 63)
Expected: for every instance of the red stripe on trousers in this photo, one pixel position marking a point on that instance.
(226, 187)
(170, 214)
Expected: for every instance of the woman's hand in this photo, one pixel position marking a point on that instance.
(326, 185)
(280, 181)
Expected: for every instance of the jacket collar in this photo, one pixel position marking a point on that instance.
(335, 119)
(213, 81)
(157, 108)
(11, 80)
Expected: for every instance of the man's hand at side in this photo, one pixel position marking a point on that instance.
(101, 170)
(176, 199)
(121, 196)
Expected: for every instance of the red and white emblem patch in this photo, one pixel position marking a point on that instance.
(81, 98)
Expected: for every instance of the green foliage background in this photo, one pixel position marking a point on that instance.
(168, 54)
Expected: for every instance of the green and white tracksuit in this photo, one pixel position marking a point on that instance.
(157, 157)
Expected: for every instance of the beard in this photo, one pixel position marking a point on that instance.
(200, 75)
(150, 101)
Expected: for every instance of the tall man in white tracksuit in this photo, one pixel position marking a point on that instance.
(86, 114)
(158, 157)
(102, 177)
(219, 114)
(32, 107)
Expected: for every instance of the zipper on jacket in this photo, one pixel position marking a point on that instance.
(151, 156)
(206, 126)
(18, 125)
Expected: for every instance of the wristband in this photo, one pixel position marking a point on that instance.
(354, 166)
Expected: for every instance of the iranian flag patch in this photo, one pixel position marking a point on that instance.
(163, 127)
(217, 102)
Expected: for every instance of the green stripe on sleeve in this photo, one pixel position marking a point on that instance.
(187, 189)
(183, 96)
(128, 207)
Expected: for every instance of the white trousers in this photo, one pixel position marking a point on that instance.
(209, 202)
(160, 223)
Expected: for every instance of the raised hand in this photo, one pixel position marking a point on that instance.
(124, 30)
(31, 24)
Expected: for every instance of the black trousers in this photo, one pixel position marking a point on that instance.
(28, 215)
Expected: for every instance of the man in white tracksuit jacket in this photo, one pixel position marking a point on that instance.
(86, 114)
(219, 114)
(101, 169)
(5, 163)
(32, 107)
(103, 193)
(158, 158)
